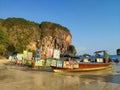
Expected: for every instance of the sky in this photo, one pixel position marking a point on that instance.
(94, 24)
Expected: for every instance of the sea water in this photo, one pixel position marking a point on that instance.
(116, 66)
(115, 57)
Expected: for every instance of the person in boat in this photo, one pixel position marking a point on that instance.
(106, 57)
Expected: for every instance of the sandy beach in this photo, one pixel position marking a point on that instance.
(23, 78)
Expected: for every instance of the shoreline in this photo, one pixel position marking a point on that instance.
(4, 60)
(14, 77)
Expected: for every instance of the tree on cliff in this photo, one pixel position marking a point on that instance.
(3, 41)
(71, 50)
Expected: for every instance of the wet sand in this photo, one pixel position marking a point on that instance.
(22, 78)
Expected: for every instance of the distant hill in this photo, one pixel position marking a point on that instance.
(18, 34)
(118, 51)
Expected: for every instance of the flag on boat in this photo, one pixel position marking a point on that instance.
(25, 54)
(49, 52)
(56, 54)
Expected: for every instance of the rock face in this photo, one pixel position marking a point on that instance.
(59, 41)
(56, 37)
(22, 34)
(118, 51)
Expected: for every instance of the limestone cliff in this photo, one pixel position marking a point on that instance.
(118, 51)
(23, 34)
(55, 35)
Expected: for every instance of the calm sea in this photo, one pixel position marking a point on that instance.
(115, 57)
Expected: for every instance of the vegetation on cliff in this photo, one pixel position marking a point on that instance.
(3, 41)
(17, 34)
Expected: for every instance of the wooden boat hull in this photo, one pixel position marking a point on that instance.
(83, 67)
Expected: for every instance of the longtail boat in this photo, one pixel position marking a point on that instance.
(84, 63)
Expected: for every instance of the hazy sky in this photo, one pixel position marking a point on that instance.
(94, 24)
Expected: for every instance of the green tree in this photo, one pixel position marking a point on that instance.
(71, 50)
(2, 36)
(3, 41)
(2, 49)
